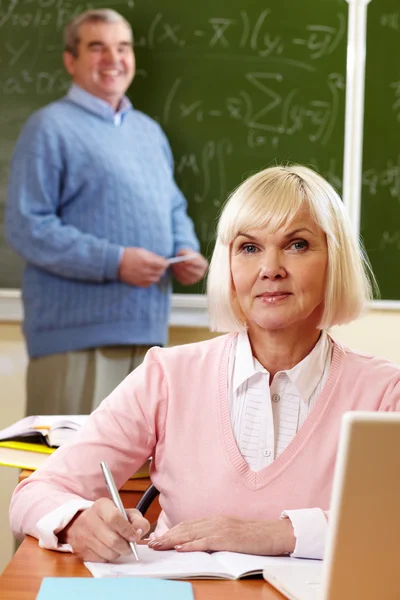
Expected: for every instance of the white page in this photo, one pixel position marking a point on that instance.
(30, 423)
(175, 565)
(72, 421)
(168, 564)
(238, 564)
(17, 428)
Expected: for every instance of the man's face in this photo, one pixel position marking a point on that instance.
(105, 65)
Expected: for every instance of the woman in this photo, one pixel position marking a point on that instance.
(243, 429)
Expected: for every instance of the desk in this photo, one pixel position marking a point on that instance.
(22, 577)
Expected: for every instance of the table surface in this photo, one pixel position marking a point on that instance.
(22, 577)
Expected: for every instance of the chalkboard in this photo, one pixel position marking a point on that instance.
(380, 213)
(237, 86)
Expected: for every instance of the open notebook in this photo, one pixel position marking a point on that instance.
(170, 564)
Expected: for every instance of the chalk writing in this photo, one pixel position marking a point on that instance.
(322, 39)
(41, 83)
(375, 180)
(41, 15)
(396, 104)
(281, 113)
(256, 35)
(390, 20)
(391, 240)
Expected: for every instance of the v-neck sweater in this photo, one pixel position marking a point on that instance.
(174, 407)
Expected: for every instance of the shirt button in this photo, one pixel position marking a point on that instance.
(275, 398)
(267, 452)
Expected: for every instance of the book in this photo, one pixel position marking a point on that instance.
(170, 564)
(49, 430)
(23, 455)
(86, 588)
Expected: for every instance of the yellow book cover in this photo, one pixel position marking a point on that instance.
(27, 446)
(23, 455)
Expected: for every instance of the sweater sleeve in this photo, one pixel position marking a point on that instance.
(182, 224)
(122, 432)
(33, 224)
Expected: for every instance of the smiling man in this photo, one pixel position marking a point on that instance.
(94, 210)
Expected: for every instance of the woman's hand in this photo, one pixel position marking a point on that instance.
(230, 534)
(101, 533)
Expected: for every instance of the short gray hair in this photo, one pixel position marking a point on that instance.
(102, 15)
(270, 199)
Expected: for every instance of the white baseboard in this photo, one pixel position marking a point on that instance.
(187, 310)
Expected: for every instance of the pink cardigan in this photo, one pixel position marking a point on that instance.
(174, 408)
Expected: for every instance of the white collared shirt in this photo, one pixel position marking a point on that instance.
(265, 418)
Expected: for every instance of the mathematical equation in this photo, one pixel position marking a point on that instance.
(37, 14)
(244, 32)
(263, 108)
(42, 83)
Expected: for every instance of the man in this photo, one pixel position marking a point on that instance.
(94, 210)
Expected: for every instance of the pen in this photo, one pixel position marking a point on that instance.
(112, 488)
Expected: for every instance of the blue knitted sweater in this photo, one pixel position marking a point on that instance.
(83, 186)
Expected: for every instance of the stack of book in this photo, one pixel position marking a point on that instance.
(27, 443)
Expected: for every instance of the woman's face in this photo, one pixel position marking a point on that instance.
(279, 278)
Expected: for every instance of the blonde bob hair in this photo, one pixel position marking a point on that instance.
(271, 199)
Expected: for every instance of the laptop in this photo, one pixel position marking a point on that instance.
(362, 558)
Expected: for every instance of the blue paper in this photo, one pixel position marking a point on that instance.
(113, 588)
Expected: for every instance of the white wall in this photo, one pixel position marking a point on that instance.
(12, 407)
(377, 333)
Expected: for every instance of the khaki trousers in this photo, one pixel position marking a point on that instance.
(76, 382)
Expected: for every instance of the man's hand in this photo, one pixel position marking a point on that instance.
(190, 271)
(269, 538)
(141, 267)
(101, 533)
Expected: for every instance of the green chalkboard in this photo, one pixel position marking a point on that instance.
(237, 86)
(380, 214)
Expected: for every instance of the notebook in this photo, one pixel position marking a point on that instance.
(186, 565)
(362, 550)
(86, 588)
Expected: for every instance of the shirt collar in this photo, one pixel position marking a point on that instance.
(98, 106)
(244, 361)
(305, 375)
